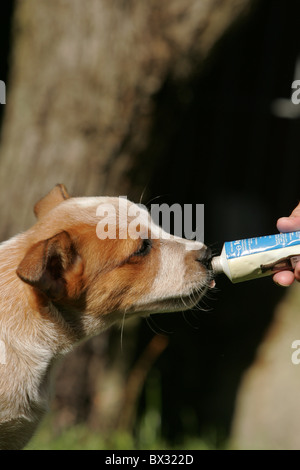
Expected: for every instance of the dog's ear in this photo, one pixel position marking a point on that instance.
(57, 195)
(48, 265)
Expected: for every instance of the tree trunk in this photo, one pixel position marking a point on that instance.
(267, 413)
(80, 107)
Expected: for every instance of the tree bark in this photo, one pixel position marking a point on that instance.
(267, 413)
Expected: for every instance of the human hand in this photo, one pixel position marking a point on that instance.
(289, 224)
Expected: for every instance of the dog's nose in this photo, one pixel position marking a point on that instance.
(205, 257)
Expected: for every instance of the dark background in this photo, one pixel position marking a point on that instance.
(5, 44)
(232, 153)
(242, 161)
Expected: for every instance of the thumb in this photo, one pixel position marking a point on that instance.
(296, 211)
(291, 223)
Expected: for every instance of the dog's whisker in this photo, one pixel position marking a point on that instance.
(122, 329)
(203, 306)
(160, 329)
(143, 192)
(195, 314)
(188, 322)
(150, 326)
(183, 302)
(154, 199)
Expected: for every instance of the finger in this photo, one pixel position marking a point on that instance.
(296, 211)
(284, 278)
(288, 224)
(297, 272)
(291, 223)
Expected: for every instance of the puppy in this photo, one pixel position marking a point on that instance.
(62, 281)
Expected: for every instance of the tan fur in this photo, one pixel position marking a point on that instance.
(60, 284)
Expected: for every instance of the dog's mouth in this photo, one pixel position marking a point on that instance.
(210, 281)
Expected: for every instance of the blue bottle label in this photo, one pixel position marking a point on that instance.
(249, 246)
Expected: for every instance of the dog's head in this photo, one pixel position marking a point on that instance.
(100, 272)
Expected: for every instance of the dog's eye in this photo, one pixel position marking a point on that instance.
(144, 248)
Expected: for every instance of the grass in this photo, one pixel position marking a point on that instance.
(80, 437)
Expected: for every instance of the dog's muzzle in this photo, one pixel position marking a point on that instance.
(205, 258)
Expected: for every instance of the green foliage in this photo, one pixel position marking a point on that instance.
(147, 434)
(80, 437)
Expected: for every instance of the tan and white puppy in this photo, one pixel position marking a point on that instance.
(60, 283)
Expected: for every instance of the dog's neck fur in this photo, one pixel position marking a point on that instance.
(33, 340)
(35, 335)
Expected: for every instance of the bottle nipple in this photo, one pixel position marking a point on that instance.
(217, 265)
